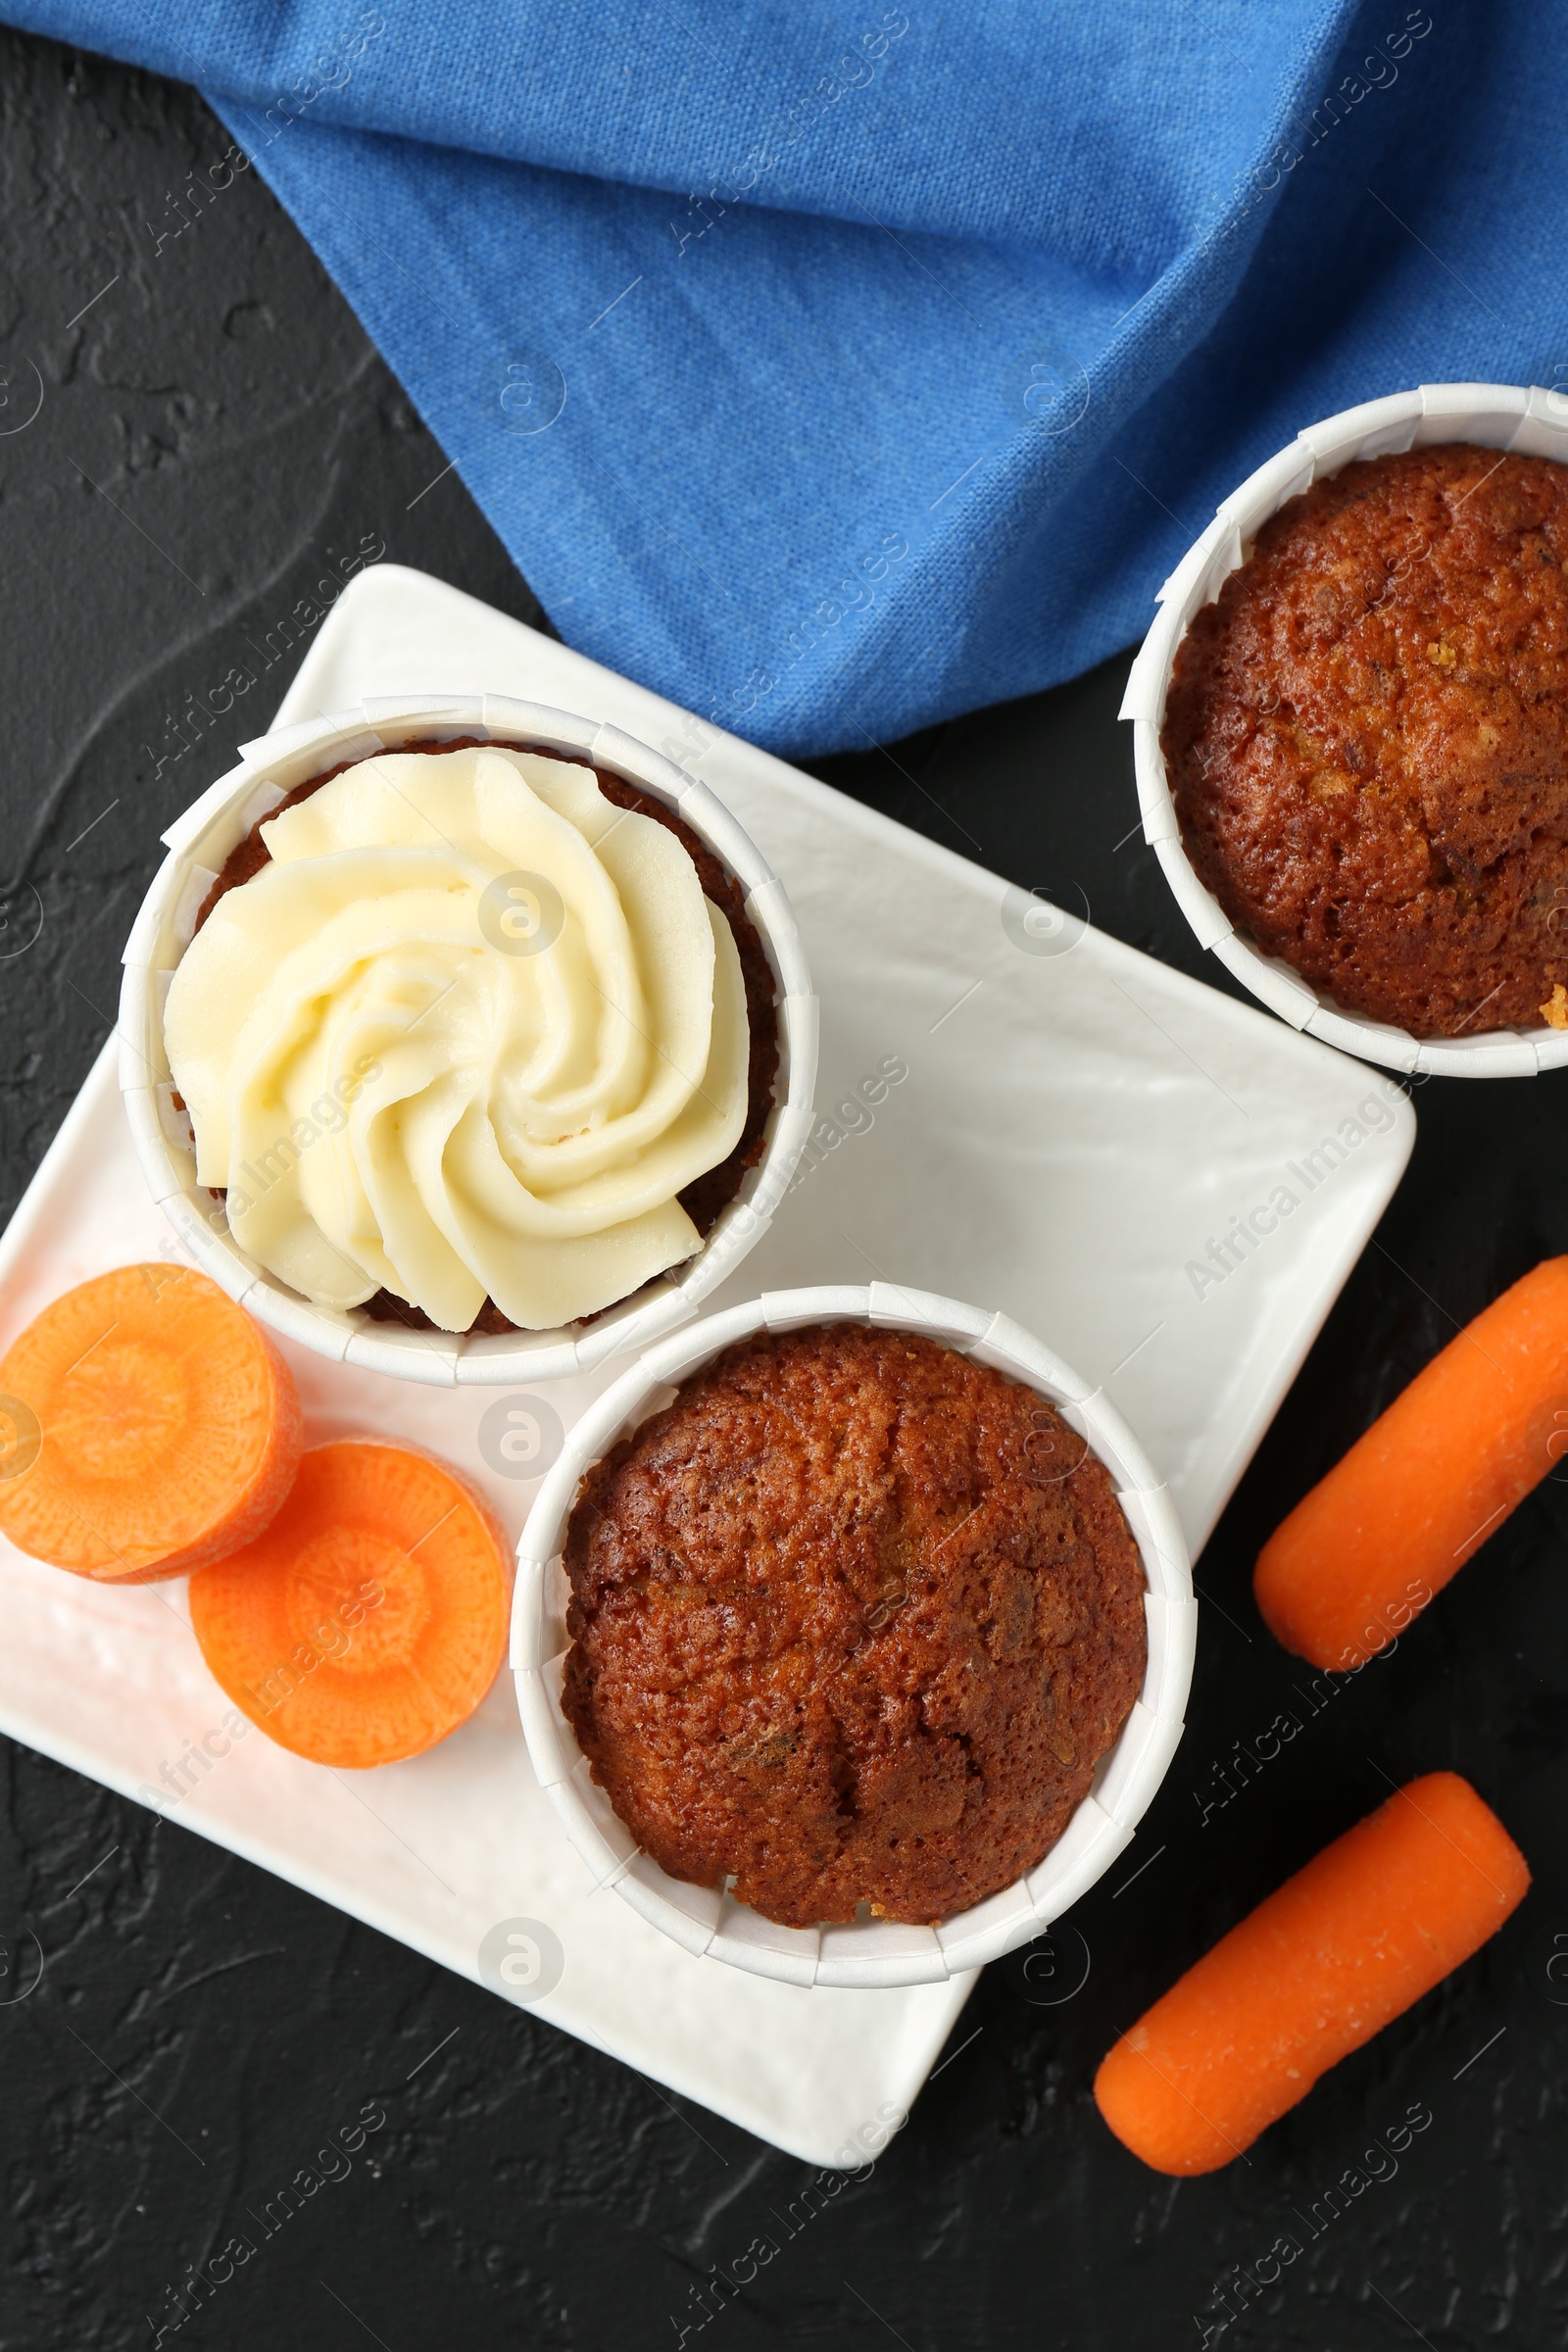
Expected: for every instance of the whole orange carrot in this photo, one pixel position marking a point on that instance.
(1433, 1477)
(1371, 1923)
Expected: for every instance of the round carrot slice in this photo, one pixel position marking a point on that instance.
(147, 1425)
(369, 1619)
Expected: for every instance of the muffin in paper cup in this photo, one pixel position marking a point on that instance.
(868, 1953)
(201, 841)
(1508, 417)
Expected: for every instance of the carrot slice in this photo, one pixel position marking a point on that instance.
(368, 1620)
(1433, 1477)
(147, 1425)
(1371, 1923)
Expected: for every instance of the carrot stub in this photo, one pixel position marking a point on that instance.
(147, 1425)
(368, 1620)
(1436, 1475)
(1325, 1962)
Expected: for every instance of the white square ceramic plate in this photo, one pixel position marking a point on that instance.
(1062, 1133)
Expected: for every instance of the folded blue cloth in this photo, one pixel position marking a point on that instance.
(836, 382)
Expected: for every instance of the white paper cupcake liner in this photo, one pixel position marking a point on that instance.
(1503, 416)
(872, 1953)
(199, 843)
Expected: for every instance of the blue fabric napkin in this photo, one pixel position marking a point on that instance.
(836, 374)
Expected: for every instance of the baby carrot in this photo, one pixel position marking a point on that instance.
(147, 1425)
(1325, 1962)
(1432, 1477)
(368, 1620)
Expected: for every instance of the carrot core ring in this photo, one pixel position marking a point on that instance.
(147, 1425)
(368, 1620)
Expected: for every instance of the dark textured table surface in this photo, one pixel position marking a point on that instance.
(193, 427)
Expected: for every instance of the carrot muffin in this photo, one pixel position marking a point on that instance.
(1367, 740)
(473, 1036)
(852, 1622)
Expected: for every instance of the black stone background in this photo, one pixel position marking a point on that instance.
(214, 429)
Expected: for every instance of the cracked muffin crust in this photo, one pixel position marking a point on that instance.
(1367, 740)
(852, 1621)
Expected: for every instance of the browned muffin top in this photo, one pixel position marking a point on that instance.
(1367, 740)
(852, 1621)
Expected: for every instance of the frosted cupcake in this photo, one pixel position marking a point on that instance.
(474, 1037)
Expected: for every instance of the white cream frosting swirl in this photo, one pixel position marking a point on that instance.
(470, 1032)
